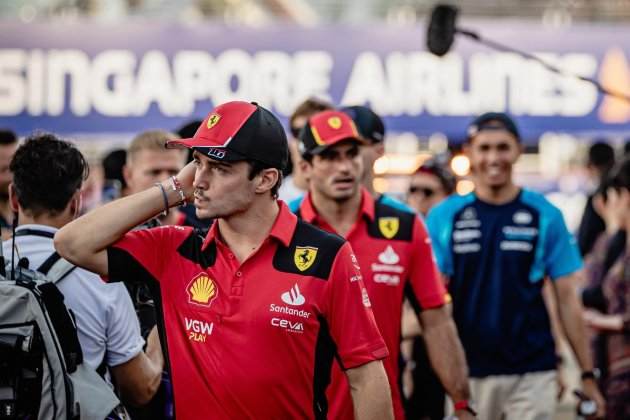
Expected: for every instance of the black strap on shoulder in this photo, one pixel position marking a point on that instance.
(50, 261)
(62, 323)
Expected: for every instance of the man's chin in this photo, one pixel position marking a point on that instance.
(342, 196)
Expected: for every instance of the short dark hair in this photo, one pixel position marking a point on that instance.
(7, 137)
(493, 121)
(256, 167)
(620, 174)
(602, 156)
(47, 172)
(441, 172)
(113, 164)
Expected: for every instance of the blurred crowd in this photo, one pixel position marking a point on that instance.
(132, 358)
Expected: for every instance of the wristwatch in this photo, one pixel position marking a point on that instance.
(466, 405)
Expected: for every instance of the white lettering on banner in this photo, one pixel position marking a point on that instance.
(419, 82)
(12, 86)
(122, 83)
(73, 66)
(119, 83)
(113, 98)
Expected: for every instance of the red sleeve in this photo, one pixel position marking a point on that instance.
(425, 280)
(143, 251)
(349, 314)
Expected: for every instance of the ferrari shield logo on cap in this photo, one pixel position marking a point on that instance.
(213, 120)
(388, 226)
(334, 122)
(304, 257)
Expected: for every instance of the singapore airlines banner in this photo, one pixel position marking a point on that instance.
(94, 78)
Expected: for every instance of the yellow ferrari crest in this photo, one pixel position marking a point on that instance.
(334, 122)
(388, 226)
(213, 120)
(304, 257)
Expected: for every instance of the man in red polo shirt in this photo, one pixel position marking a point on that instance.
(393, 251)
(255, 312)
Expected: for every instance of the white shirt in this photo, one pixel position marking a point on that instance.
(107, 324)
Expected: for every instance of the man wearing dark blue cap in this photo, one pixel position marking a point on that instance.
(372, 130)
(496, 246)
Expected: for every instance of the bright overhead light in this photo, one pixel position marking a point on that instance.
(460, 165)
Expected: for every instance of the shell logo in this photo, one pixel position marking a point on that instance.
(202, 290)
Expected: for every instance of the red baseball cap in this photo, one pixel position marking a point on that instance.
(326, 129)
(236, 131)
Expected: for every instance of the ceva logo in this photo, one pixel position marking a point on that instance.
(293, 297)
(291, 326)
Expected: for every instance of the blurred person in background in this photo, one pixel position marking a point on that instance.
(430, 184)
(294, 184)
(496, 246)
(425, 397)
(8, 146)
(611, 318)
(601, 158)
(115, 185)
(607, 248)
(46, 195)
(372, 129)
(92, 190)
(392, 249)
(148, 162)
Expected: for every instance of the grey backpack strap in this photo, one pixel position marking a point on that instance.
(56, 268)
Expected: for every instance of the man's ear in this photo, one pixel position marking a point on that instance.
(267, 178)
(379, 148)
(305, 166)
(13, 200)
(76, 204)
(126, 171)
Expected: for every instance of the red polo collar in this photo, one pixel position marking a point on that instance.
(309, 213)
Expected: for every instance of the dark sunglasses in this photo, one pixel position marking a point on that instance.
(427, 192)
(295, 132)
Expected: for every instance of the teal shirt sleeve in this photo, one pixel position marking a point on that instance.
(295, 204)
(440, 230)
(561, 254)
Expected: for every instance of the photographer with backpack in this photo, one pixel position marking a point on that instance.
(46, 195)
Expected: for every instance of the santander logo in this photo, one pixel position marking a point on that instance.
(293, 297)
